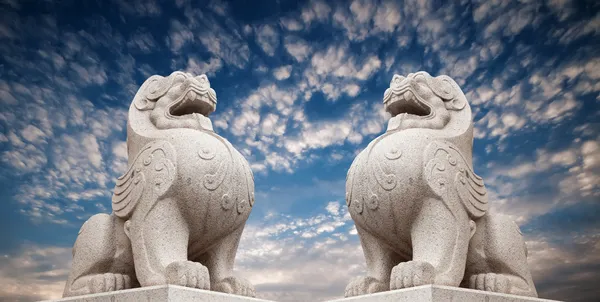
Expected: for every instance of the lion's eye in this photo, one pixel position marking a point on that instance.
(421, 79)
(179, 79)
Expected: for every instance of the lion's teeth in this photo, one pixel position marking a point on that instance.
(408, 95)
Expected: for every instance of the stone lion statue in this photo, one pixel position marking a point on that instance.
(179, 210)
(420, 210)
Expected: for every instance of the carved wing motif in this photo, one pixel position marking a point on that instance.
(149, 177)
(447, 172)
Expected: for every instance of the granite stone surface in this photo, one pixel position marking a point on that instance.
(160, 293)
(180, 209)
(438, 293)
(420, 209)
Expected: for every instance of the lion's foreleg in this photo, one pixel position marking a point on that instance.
(160, 240)
(219, 261)
(439, 241)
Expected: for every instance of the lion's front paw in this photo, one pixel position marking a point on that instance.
(490, 282)
(188, 273)
(236, 286)
(412, 273)
(364, 285)
(108, 282)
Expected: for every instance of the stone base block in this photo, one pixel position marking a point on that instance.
(161, 293)
(436, 293)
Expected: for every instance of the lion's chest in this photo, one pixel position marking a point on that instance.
(385, 184)
(214, 181)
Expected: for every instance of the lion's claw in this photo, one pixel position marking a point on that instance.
(490, 282)
(364, 285)
(188, 273)
(412, 273)
(108, 282)
(236, 286)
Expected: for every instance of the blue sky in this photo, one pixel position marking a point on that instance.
(299, 89)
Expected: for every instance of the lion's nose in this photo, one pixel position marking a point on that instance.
(202, 81)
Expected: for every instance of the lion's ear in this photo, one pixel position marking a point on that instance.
(444, 87)
(143, 103)
(457, 103)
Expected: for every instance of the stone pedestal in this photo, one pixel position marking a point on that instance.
(435, 293)
(161, 293)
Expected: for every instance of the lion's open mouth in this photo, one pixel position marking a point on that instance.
(407, 103)
(191, 103)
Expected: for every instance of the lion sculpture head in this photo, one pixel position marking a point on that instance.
(422, 101)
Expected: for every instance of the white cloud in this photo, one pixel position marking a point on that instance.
(319, 135)
(197, 68)
(34, 272)
(283, 72)
(140, 7)
(275, 254)
(591, 153)
(297, 48)
(569, 34)
(267, 38)
(316, 10)
(179, 35)
(26, 159)
(92, 74)
(291, 24)
(5, 95)
(574, 261)
(333, 207)
(387, 17)
(33, 134)
(219, 7)
(335, 69)
(142, 41)
(225, 44)
(271, 126)
(119, 164)
(338, 61)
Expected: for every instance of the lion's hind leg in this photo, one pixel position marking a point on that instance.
(497, 258)
(102, 259)
(380, 259)
(219, 260)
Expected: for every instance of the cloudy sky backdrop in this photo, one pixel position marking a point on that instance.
(299, 89)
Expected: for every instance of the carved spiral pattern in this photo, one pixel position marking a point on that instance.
(213, 181)
(451, 159)
(386, 181)
(393, 154)
(358, 206)
(152, 169)
(241, 206)
(153, 86)
(207, 153)
(160, 167)
(148, 160)
(136, 175)
(373, 202)
(226, 202)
